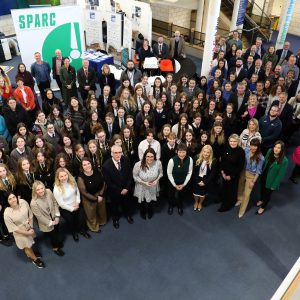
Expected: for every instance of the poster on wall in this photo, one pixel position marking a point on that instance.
(114, 31)
(93, 27)
(58, 27)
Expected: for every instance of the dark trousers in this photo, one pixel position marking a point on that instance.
(175, 197)
(55, 237)
(75, 219)
(43, 85)
(57, 79)
(229, 193)
(123, 202)
(265, 196)
(296, 171)
(2, 224)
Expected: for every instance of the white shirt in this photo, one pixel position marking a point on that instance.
(68, 198)
(116, 163)
(143, 146)
(170, 171)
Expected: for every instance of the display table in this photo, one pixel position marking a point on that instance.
(98, 59)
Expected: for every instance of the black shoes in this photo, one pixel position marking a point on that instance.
(116, 224)
(293, 180)
(170, 210)
(143, 215)
(85, 234)
(39, 263)
(75, 237)
(130, 220)
(59, 252)
(180, 211)
(150, 214)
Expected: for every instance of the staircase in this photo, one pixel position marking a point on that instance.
(255, 24)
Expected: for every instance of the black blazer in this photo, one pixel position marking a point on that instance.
(279, 53)
(286, 116)
(210, 174)
(117, 180)
(89, 80)
(234, 100)
(115, 129)
(53, 66)
(110, 78)
(261, 73)
(164, 51)
(243, 74)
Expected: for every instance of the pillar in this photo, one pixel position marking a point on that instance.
(211, 30)
(235, 15)
(285, 19)
(199, 16)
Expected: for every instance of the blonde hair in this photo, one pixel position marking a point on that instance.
(253, 120)
(71, 179)
(200, 158)
(10, 177)
(34, 188)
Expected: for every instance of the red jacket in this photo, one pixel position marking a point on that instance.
(30, 103)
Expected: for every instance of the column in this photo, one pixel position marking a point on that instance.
(199, 16)
(285, 19)
(235, 15)
(211, 30)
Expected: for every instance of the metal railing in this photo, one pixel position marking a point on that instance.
(258, 24)
(190, 35)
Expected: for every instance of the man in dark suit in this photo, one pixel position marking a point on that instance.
(239, 70)
(119, 121)
(284, 53)
(51, 136)
(257, 69)
(104, 100)
(285, 113)
(118, 177)
(57, 63)
(161, 49)
(239, 99)
(86, 77)
(260, 50)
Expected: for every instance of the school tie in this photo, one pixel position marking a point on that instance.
(119, 166)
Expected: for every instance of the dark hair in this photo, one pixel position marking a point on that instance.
(182, 147)
(85, 159)
(143, 162)
(257, 155)
(281, 154)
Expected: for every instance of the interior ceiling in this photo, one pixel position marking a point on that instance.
(189, 4)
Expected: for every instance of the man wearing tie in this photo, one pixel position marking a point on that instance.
(118, 177)
(104, 100)
(257, 69)
(161, 49)
(86, 77)
(284, 53)
(285, 113)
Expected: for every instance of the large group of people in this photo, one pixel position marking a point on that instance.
(84, 158)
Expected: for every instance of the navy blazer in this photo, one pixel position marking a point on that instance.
(117, 180)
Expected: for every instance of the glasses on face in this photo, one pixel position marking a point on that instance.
(149, 156)
(117, 152)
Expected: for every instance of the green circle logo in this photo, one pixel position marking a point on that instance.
(65, 37)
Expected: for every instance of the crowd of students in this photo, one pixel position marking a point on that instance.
(71, 158)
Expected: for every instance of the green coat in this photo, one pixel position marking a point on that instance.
(276, 172)
(268, 57)
(68, 77)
